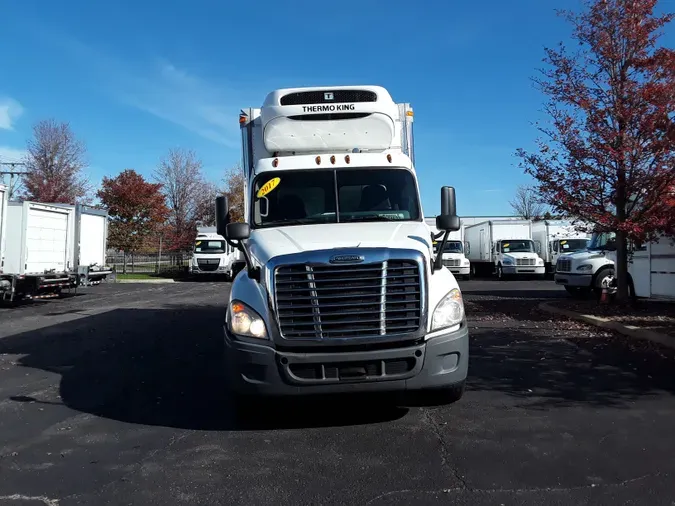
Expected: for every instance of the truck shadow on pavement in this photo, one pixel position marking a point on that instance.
(164, 367)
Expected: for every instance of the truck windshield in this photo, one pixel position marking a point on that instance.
(569, 245)
(603, 241)
(451, 247)
(330, 196)
(520, 246)
(209, 246)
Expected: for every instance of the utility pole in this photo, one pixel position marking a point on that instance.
(12, 174)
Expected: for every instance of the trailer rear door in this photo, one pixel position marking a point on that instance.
(46, 240)
(92, 239)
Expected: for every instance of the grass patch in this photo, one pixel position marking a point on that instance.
(137, 276)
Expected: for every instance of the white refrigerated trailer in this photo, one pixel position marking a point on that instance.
(38, 250)
(503, 248)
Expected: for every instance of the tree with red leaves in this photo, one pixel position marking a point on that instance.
(54, 165)
(137, 209)
(608, 155)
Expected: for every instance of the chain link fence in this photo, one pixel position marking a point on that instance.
(150, 259)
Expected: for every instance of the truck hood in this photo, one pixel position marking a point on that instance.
(272, 242)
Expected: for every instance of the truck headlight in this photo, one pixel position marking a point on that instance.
(540, 261)
(449, 311)
(585, 267)
(244, 321)
(508, 261)
(465, 261)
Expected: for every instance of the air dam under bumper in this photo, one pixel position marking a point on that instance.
(258, 369)
(573, 279)
(523, 269)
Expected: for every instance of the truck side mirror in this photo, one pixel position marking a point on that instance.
(467, 247)
(237, 231)
(448, 221)
(537, 247)
(222, 215)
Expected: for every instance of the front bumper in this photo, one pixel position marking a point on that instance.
(459, 271)
(259, 369)
(523, 269)
(571, 279)
(197, 270)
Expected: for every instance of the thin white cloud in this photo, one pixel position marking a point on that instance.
(207, 108)
(9, 154)
(10, 111)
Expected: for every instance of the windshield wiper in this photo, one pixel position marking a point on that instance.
(369, 218)
(298, 221)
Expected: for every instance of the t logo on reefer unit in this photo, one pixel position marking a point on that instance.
(328, 96)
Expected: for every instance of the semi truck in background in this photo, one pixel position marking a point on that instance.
(341, 291)
(557, 237)
(213, 255)
(454, 258)
(89, 237)
(503, 248)
(38, 248)
(651, 270)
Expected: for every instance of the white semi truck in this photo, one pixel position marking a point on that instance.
(38, 248)
(651, 269)
(213, 255)
(89, 235)
(503, 248)
(341, 291)
(557, 237)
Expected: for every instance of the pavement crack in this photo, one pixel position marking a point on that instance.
(429, 419)
(490, 491)
(39, 498)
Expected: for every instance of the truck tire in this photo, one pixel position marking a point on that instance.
(599, 276)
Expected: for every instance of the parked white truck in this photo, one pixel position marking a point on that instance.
(213, 255)
(453, 255)
(38, 250)
(651, 269)
(557, 237)
(89, 236)
(341, 291)
(503, 248)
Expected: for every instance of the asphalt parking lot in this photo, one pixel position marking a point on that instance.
(116, 396)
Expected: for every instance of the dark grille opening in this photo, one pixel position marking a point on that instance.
(208, 264)
(329, 116)
(525, 261)
(355, 301)
(451, 262)
(318, 97)
(353, 370)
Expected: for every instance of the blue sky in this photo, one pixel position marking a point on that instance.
(137, 78)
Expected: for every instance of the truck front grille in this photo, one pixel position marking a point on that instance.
(208, 264)
(329, 301)
(451, 262)
(525, 261)
(328, 97)
(563, 265)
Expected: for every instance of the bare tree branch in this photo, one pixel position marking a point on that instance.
(526, 203)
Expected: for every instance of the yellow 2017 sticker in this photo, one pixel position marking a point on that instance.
(198, 243)
(563, 242)
(268, 187)
(506, 245)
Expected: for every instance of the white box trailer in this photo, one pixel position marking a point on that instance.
(557, 237)
(38, 250)
(503, 247)
(4, 197)
(90, 240)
